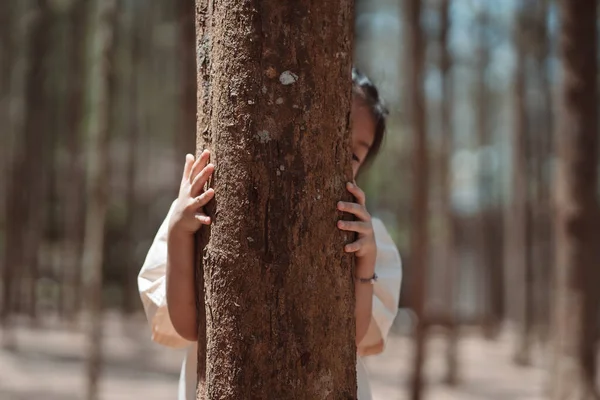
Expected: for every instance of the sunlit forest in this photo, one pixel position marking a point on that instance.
(487, 181)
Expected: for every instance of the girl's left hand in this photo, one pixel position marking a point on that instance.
(364, 247)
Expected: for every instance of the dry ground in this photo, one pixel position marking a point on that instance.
(49, 364)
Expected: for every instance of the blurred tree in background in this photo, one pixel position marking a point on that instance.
(100, 97)
(577, 223)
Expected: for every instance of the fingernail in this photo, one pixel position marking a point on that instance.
(341, 224)
(340, 205)
(350, 185)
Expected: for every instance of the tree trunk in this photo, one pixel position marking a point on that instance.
(7, 50)
(420, 196)
(56, 108)
(74, 200)
(24, 212)
(450, 258)
(97, 179)
(273, 105)
(521, 232)
(543, 225)
(130, 295)
(7, 155)
(186, 133)
(492, 289)
(33, 168)
(14, 206)
(7, 15)
(577, 224)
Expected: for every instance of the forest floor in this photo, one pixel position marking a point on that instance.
(49, 363)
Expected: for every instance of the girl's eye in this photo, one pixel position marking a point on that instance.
(355, 158)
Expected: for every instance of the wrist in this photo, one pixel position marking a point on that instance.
(366, 280)
(177, 237)
(180, 252)
(365, 268)
(176, 230)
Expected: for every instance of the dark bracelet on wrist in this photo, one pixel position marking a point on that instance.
(370, 280)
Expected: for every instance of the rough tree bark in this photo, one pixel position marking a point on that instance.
(273, 104)
(98, 84)
(451, 376)
(577, 223)
(420, 196)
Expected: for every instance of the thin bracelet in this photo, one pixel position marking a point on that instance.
(370, 280)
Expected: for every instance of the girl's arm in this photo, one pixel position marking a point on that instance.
(364, 300)
(181, 294)
(152, 287)
(386, 291)
(365, 251)
(376, 304)
(186, 219)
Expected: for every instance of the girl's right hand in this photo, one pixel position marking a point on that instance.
(188, 215)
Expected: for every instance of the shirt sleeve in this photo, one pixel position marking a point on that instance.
(386, 292)
(152, 287)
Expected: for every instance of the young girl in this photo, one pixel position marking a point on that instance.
(166, 281)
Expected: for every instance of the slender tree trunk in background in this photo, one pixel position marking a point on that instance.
(32, 168)
(525, 339)
(273, 107)
(7, 16)
(543, 226)
(450, 252)
(185, 135)
(97, 179)
(420, 199)
(24, 214)
(492, 290)
(577, 223)
(74, 199)
(10, 160)
(521, 233)
(130, 295)
(161, 94)
(496, 254)
(58, 83)
(147, 92)
(15, 201)
(55, 85)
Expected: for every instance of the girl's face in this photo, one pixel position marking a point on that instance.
(363, 133)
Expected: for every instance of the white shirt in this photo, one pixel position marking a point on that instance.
(386, 292)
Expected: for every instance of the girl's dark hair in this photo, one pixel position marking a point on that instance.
(367, 92)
